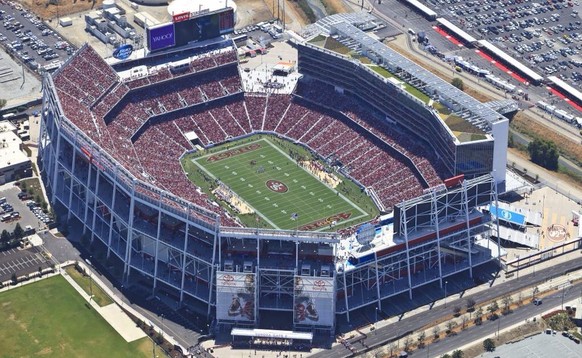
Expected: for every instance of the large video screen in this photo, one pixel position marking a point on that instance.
(204, 27)
(160, 37)
(195, 29)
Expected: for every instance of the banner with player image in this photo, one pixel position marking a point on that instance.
(235, 296)
(314, 301)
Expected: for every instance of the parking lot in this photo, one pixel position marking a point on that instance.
(28, 38)
(26, 216)
(21, 262)
(545, 34)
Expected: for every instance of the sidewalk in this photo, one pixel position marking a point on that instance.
(112, 313)
(119, 302)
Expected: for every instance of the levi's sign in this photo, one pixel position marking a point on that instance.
(181, 17)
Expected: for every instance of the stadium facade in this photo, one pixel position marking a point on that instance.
(109, 149)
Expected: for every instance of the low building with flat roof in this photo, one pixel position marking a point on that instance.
(14, 163)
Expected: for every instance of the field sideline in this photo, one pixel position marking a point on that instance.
(276, 187)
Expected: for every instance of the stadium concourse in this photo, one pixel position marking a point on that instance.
(113, 137)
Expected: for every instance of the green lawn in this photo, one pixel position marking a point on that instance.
(49, 319)
(300, 193)
(100, 297)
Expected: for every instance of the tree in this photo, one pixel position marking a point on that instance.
(2, 103)
(5, 236)
(450, 326)
(457, 311)
(393, 348)
(470, 304)
(407, 342)
(458, 354)
(457, 82)
(479, 316)
(506, 300)
(464, 321)
(446, 355)
(436, 332)
(489, 345)
(18, 232)
(492, 308)
(421, 337)
(544, 153)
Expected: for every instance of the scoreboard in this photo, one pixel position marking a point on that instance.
(187, 28)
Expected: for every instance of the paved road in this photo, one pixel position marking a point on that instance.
(489, 328)
(414, 323)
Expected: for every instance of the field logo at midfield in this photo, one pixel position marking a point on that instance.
(277, 186)
(326, 221)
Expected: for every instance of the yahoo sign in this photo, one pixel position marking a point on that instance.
(160, 37)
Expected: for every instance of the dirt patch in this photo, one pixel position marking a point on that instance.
(252, 11)
(335, 6)
(534, 129)
(295, 11)
(65, 7)
(560, 176)
(44, 351)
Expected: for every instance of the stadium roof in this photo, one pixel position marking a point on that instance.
(454, 28)
(566, 87)
(421, 7)
(512, 61)
(469, 108)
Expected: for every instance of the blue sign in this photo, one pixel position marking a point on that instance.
(123, 52)
(160, 37)
(507, 215)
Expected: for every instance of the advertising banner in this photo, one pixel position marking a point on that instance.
(161, 37)
(181, 17)
(235, 296)
(314, 301)
(123, 52)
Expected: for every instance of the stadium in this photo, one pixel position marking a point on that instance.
(118, 141)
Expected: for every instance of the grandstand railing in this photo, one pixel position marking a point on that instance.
(272, 234)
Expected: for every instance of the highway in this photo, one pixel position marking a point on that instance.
(413, 323)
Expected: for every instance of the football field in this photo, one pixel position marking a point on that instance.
(279, 190)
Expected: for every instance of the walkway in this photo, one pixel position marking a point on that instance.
(112, 313)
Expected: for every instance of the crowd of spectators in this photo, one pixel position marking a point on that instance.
(113, 114)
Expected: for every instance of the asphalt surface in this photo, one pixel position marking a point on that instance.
(517, 28)
(25, 17)
(21, 262)
(405, 18)
(490, 328)
(414, 323)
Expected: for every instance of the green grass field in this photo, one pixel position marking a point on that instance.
(100, 297)
(50, 319)
(281, 188)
